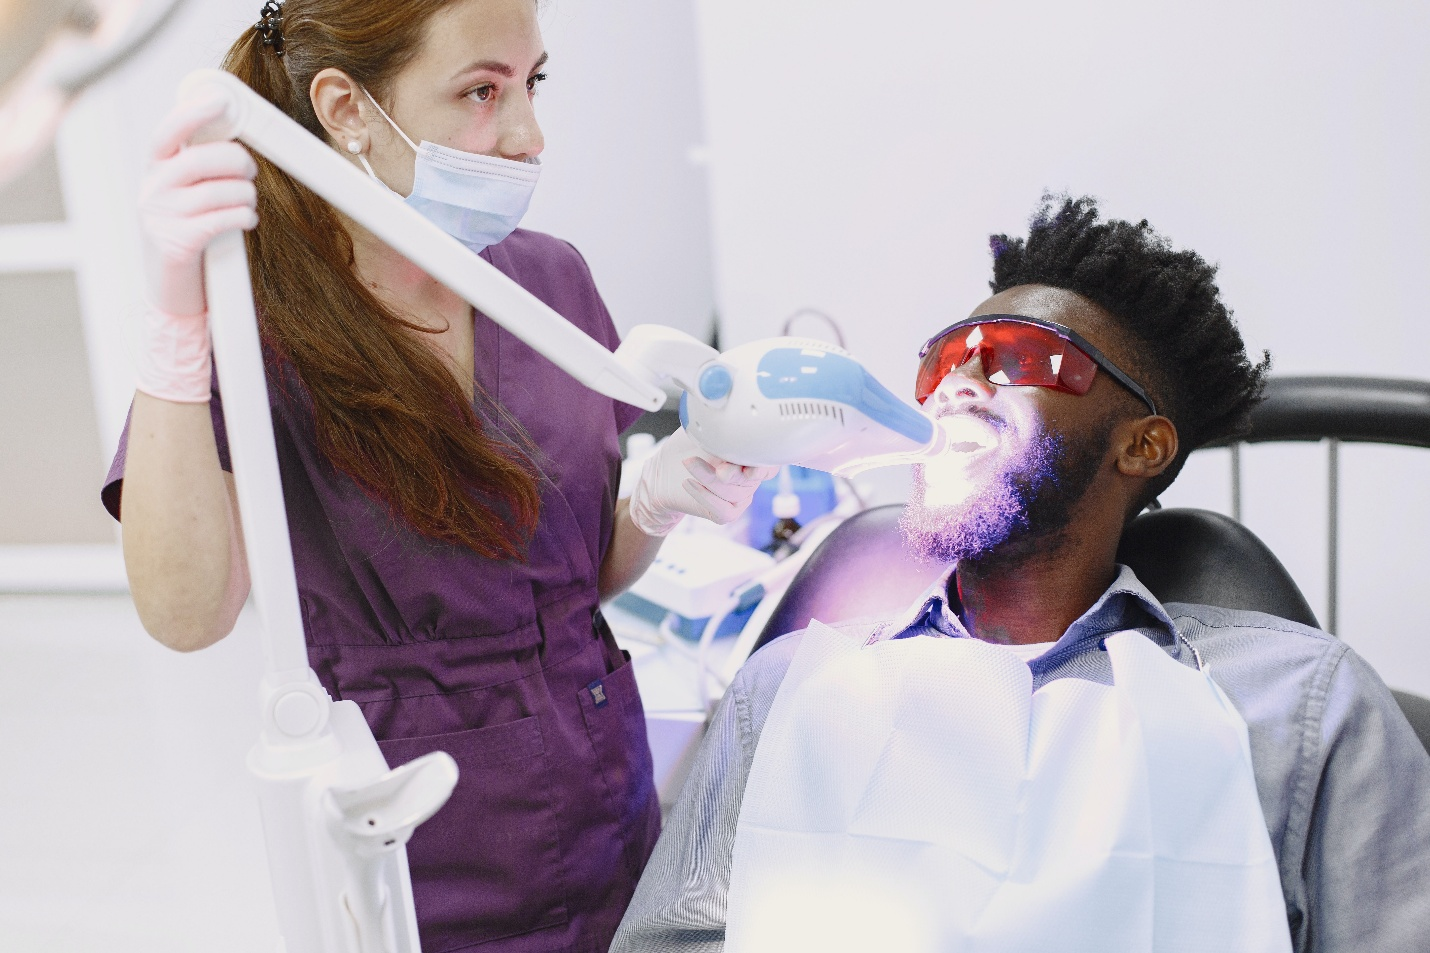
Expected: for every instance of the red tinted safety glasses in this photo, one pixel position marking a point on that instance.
(1020, 351)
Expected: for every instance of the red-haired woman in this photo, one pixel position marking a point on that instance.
(450, 494)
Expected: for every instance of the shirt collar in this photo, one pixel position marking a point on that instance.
(1126, 604)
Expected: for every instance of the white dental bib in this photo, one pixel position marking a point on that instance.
(917, 795)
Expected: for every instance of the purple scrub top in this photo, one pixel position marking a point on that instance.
(505, 665)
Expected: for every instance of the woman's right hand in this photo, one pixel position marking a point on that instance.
(679, 479)
(190, 195)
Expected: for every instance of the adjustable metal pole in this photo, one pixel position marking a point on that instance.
(1333, 519)
(1236, 482)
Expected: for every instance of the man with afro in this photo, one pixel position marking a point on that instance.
(1293, 794)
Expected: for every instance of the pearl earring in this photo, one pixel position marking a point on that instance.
(354, 147)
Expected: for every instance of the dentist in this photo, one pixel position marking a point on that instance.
(450, 493)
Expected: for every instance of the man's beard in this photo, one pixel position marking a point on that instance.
(1023, 507)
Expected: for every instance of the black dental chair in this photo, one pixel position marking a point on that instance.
(1181, 555)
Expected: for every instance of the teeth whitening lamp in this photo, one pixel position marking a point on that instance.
(336, 818)
(792, 400)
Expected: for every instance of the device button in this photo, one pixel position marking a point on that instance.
(715, 382)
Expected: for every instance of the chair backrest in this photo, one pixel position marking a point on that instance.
(861, 569)
(1188, 555)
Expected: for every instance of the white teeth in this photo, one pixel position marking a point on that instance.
(947, 480)
(968, 434)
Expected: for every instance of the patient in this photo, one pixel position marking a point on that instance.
(1037, 754)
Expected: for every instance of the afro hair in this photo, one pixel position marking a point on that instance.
(1191, 358)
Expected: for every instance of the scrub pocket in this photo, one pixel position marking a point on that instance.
(615, 721)
(488, 864)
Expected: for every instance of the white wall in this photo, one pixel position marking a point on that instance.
(622, 113)
(103, 152)
(860, 155)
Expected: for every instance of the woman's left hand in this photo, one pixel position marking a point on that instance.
(679, 479)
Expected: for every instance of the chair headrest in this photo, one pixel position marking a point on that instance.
(862, 569)
(1347, 408)
(1189, 555)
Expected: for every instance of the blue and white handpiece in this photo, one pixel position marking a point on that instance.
(792, 400)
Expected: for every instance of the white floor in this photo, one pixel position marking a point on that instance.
(129, 823)
(129, 819)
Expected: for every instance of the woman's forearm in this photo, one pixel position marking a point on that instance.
(183, 546)
(630, 554)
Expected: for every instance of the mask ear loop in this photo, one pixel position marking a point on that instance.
(362, 157)
(384, 115)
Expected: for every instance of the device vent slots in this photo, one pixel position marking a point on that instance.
(811, 408)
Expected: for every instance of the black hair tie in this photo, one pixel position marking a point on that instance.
(270, 25)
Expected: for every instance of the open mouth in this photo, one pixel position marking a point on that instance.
(954, 475)
(957, 473)
(968, 434)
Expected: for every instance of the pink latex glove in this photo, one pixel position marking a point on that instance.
(190, 195)
(679, 479)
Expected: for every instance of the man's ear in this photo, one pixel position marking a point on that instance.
(1146, 447)
(337, 102)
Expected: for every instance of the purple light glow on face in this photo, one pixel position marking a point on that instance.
(1028, 497)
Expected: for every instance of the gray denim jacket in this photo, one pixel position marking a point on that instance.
(1344, 782)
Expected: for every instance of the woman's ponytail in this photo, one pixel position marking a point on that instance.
(386, 410)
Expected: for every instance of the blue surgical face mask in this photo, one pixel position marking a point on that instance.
(478, 200)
